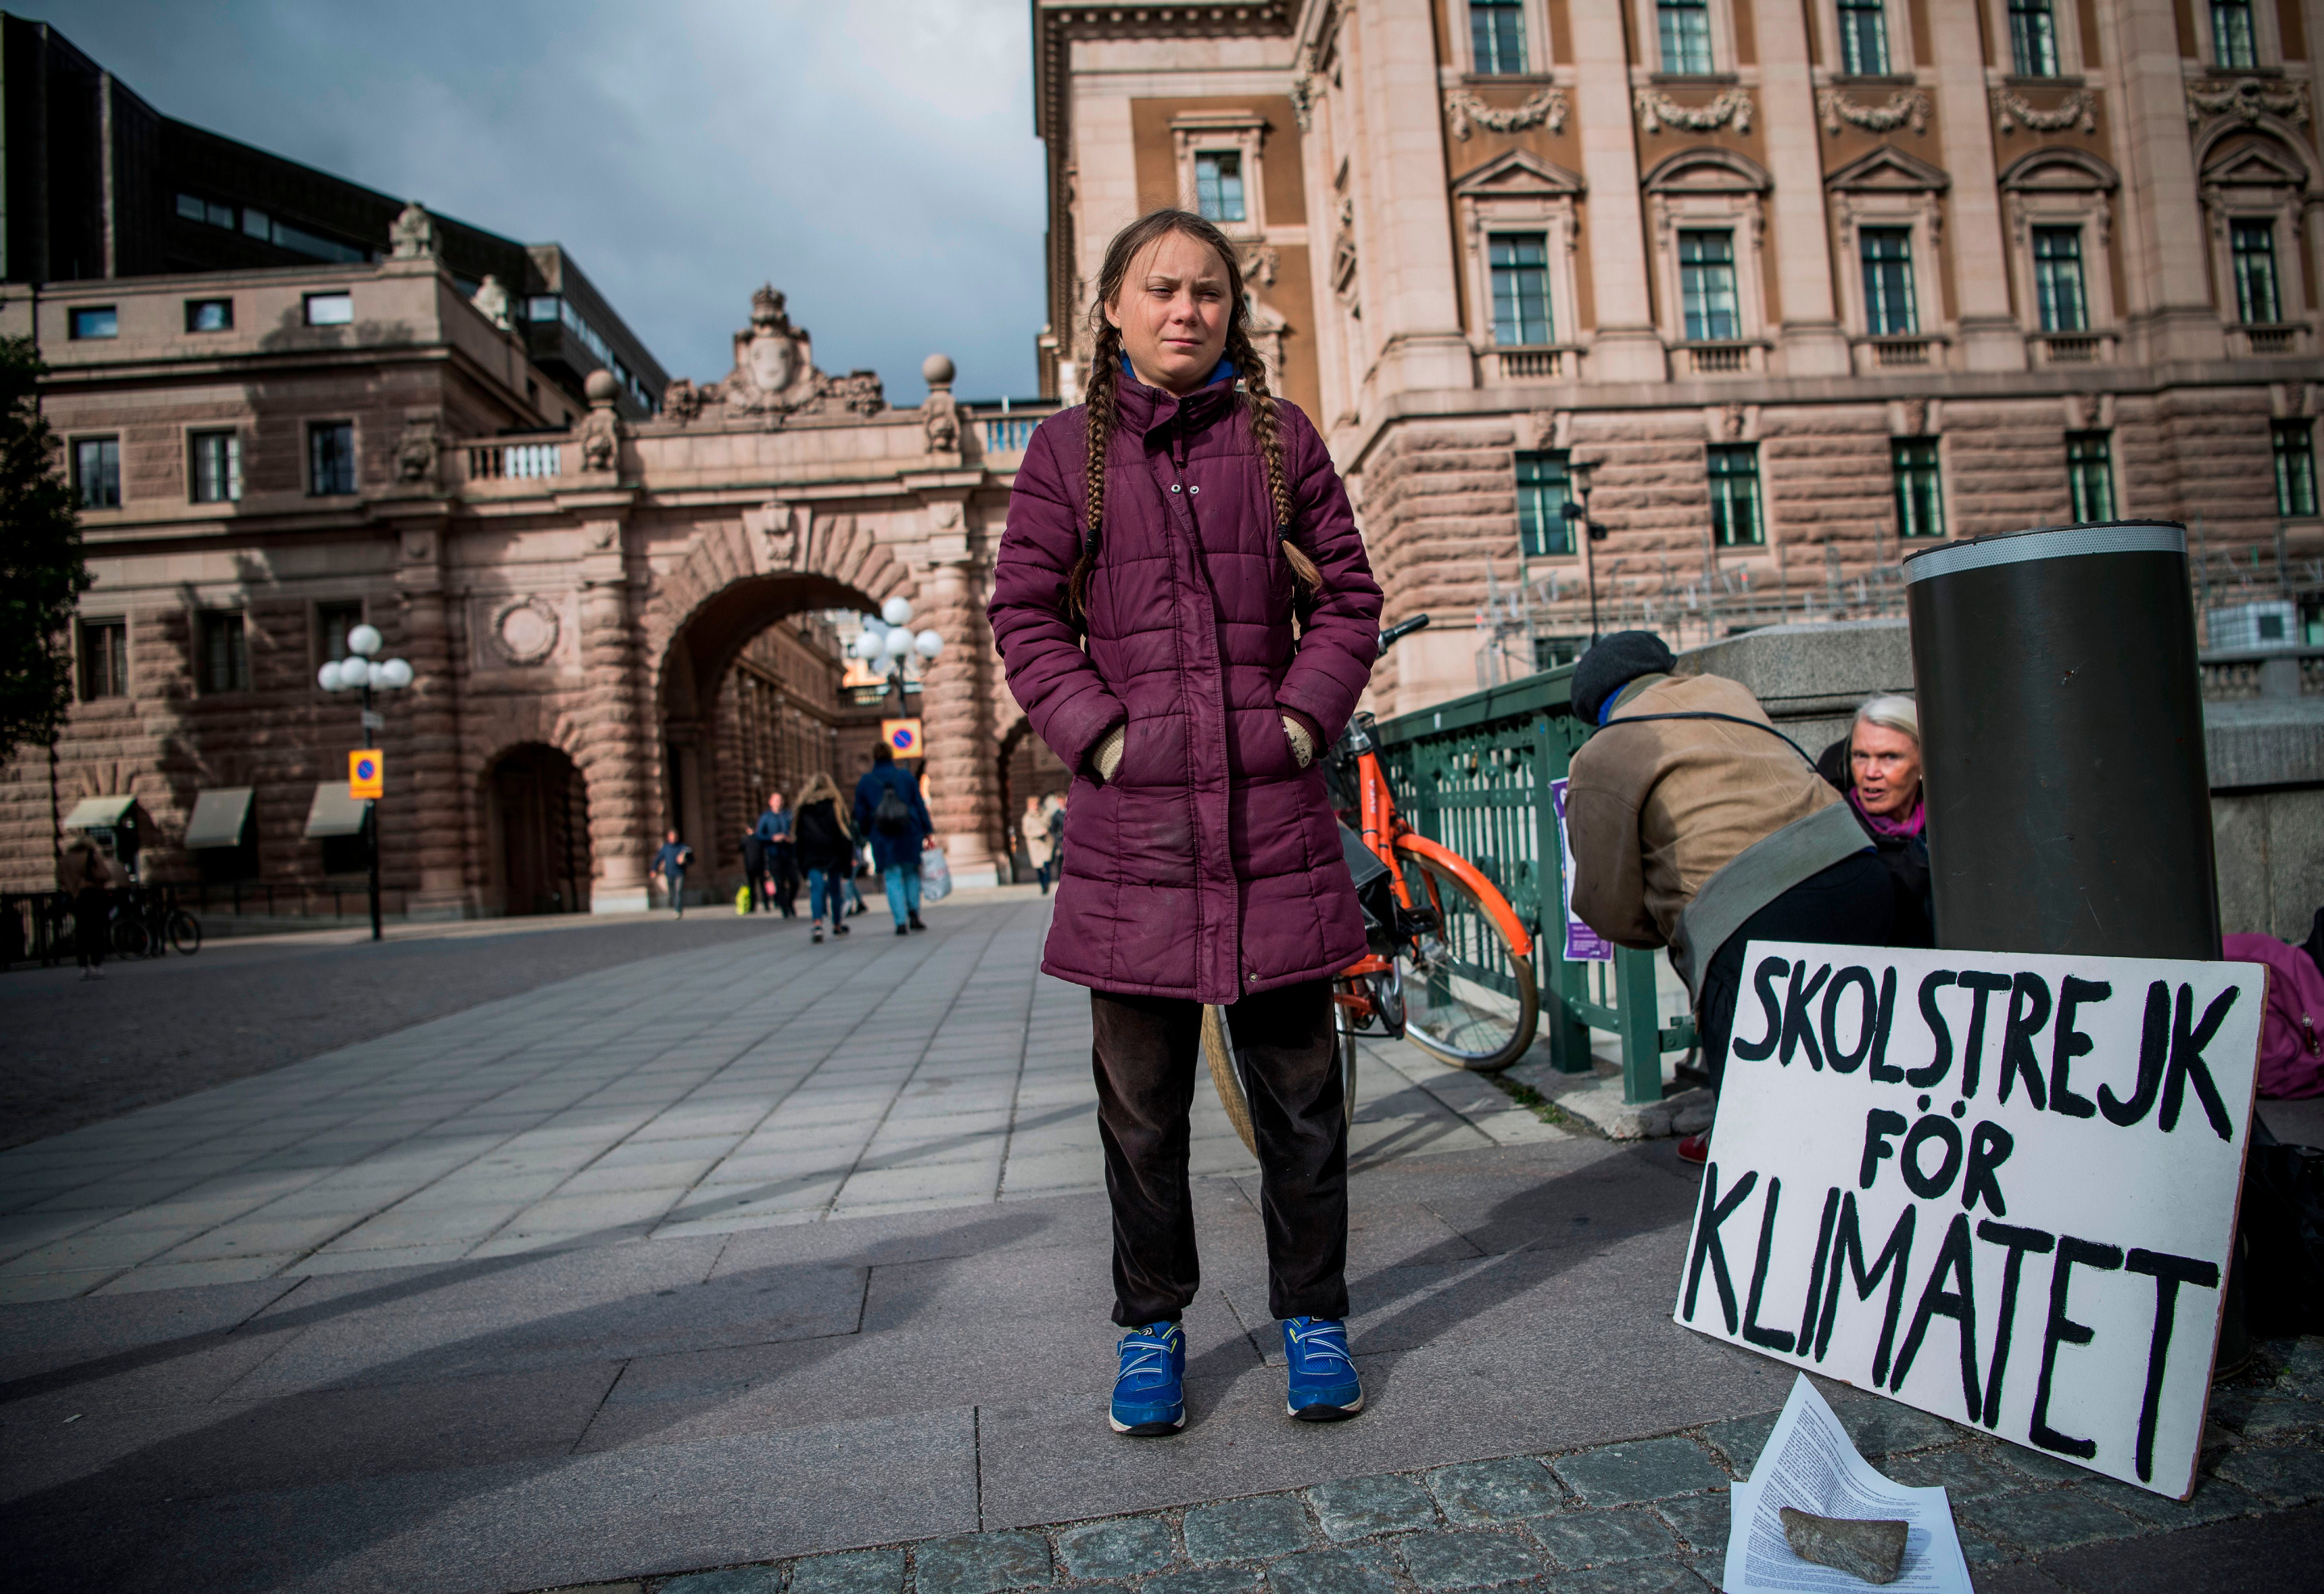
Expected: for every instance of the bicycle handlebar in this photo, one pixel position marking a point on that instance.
(1403, 628)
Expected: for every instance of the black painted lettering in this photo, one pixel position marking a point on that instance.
(1879, 1125)
(1848, 1266)
(2019, 1241)
(1990, 1146)
(2068, 1043)
(2063, 1329)
(1815, 1271)
(1867, 1019)
(1980, 986)
(1763, 981)
(1767, 1339)
(2029, 1010)
(2187, 1065)
(1932, 1126)
(1799, 1017)
(1956, 1258)
(1930, 1073)
(1714, 1212)
(2168, 1272)
(2153, 1051)
(1882, 1071)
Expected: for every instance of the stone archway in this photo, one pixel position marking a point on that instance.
(536, 823)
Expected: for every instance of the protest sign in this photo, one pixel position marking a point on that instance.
(1582, 944)
(1999, 1187)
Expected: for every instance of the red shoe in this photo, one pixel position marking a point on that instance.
(1695, 1148)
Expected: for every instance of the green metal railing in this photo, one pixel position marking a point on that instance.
(1474, 774)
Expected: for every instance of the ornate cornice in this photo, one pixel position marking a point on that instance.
(2250, 99)
(1465, 110)
(1728, 105)
(2011, 111)
(1906, 106)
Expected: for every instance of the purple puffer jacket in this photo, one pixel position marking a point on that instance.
(1210, 866)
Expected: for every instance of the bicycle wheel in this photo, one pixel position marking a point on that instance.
(129, 938)
(1226, 1069)
(1468, 995)
(184, 931)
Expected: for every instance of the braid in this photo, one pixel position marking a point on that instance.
(1268, 438)
(1105, 360)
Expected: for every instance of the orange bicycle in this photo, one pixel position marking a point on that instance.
(1450, 965)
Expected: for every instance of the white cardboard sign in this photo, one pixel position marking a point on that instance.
(1999, 1187)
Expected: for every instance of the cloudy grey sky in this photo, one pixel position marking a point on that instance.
(875, 157)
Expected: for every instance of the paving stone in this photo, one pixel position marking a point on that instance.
(1496, 1491)
(1979, 1550)
(2284, 1474)
(2041, 1520)
(1964, 1473)
(982, 1563)
(1701, 1520)
(1205, 1579)
(2214, 1501)
(1739, 1440)
(744, 1580)
(1468, 1559)
(856, 1571)
(1247, 1530)
(1650, 1470)
(1128, 1547)
(1359, 1507)
(2041, 1464)
(1594, 1538)
(1887, 1427)
(2281, 1416)
(2303, 1363)
(1638, 1577)
(1359, 1569)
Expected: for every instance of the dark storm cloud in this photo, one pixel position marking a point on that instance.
(874, 159)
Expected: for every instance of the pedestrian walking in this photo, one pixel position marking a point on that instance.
(774, 834)
(754, 869)
(825, 851)
(888, 812)
(1055, 808)
(1166, 542)
(1039, 848)
(1686, 778)
(671, 863)
(87, 876)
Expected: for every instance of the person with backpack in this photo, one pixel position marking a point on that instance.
(1186, 616)
(825, 851)
(888, 810)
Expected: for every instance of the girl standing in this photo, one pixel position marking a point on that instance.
(1190, 528)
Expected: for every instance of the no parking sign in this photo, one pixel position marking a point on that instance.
(367, 775)
(902, 737)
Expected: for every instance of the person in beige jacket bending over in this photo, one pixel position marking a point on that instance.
(1696, 825)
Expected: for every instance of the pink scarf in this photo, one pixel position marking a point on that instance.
(1883, 824)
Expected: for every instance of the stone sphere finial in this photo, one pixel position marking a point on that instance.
(601, 386)
(937, 370)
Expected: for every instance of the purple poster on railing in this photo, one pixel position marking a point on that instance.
(1582, 944)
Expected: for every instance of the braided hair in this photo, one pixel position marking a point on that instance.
(1102, 393)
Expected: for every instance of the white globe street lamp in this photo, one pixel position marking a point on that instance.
(897, 611)
(928, 644)
(362, 671)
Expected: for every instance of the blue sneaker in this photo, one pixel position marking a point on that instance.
(1324, 1387)
(1150, 1392)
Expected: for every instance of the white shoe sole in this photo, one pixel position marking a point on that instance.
(1144, 1430)
(1324, 1414)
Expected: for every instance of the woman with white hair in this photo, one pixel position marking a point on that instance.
(1877, 767)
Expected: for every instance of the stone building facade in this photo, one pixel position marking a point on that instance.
(617, 626)
(1793, 284)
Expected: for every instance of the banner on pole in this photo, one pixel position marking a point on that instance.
(366, 776)
(1999, 1187)
(1582, 944)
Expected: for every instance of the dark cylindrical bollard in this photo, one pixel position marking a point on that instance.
(2061, 738)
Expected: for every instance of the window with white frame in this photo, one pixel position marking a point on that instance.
(2089, 475)
(2235, 40)
(1542, 529)
(96, 473)
(2032, 39)
(2060, 300)
(2294, 444)
(1520, 267)
(1218, 185)
(2253, 190)
(1704, 208)
(2060, 225)
(1706, 285)
(1863, 37)
(1518, 223)
(2251, 247)
(1884, 214)
(1220, 174)
(1733, 469)
(217, 469)
(1682, 29)
(1919, 494)
(1496, 45)
(1890, 307)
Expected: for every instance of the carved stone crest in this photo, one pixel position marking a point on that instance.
(525, 630)
(774, 375)
(420, 450)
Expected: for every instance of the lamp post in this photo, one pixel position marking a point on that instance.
(888, 636)
(362, 671)
(1576, 510)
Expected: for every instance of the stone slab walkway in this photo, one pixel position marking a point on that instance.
(755, 1083)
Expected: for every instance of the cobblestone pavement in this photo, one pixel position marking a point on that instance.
(1650, 1516)
(739, 1084)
